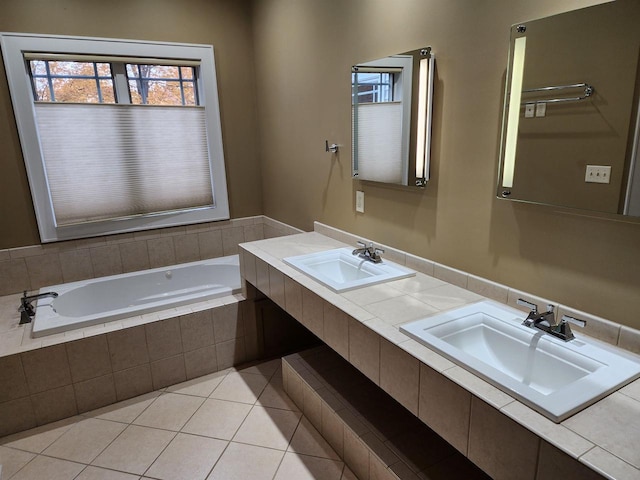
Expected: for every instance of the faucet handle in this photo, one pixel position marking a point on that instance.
(361, 243)
(532, 306)
(576, 321)
(378, 251)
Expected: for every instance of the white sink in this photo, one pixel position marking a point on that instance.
(554, 377)
(340, 270)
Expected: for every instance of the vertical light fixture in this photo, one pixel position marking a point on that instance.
(425, 109)
(513, 117)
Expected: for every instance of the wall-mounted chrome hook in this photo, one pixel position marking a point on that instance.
(333, 148)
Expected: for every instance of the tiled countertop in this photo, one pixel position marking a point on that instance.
(604, 437)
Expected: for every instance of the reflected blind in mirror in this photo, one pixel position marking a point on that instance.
(379, 142)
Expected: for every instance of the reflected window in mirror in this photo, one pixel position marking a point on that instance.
(372, 87)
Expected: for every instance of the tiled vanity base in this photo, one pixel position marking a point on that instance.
(375, 436)
(60, 381)
(502, 436)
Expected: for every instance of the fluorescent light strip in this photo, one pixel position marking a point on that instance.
(513, 118)
(422, 118)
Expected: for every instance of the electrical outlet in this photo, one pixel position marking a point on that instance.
(529, 109)
(597, 174)
(359, 201)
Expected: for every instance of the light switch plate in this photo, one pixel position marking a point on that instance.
(359, 201)
(598, 174)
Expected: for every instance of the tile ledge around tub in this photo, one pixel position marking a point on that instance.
(27, 343)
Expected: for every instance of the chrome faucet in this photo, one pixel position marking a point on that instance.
(368, 252)
(547, 322)
(27, 310)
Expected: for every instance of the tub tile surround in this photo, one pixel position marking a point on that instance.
(58, 376)
(33, 267)
(95, 257)
(50, 383)
(466, 405)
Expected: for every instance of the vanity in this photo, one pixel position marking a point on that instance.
(497, 432)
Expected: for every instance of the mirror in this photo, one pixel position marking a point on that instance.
(391, 118)
(570, 120)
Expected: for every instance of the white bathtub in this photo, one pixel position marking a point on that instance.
(100, 300)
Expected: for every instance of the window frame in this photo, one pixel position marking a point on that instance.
(14, 45)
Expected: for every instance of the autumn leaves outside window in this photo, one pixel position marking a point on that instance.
(93, 82)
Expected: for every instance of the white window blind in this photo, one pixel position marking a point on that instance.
(117, 161)
(379, 142)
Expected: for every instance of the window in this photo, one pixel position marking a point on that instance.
(118, 135)
(162, 85)
(373, 87)
(60, 81)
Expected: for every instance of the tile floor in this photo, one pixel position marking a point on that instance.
(235, 424)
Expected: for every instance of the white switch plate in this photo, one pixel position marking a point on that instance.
(597, 174)
(359, 201)
(541, 109)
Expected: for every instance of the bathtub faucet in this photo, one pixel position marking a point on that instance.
(27, 310)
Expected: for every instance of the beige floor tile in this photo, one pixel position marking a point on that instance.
(169, 411)
(265, 368)
(96, 473)
(274, 396)
(199, 387)
(49, 469)
(240, 387)
(233, 464)
(12, 460)
(347, 474)
(125, 411)
(188, 457)
(39, 438)
(304, 467)
(218, 419)
(135, 449)
(307, 440)
(268, 427)
(84, 441)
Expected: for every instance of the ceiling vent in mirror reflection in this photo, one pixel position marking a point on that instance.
(571, 101)
(392, 114)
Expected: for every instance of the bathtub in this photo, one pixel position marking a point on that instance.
(99, 300)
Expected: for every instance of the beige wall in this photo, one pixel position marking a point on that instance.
(225, 24)
(304, 51)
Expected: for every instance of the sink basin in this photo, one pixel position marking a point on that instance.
(341, 271)
(553, 377)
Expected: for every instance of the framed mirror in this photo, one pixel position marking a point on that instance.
(392, 101)
(570, 121)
